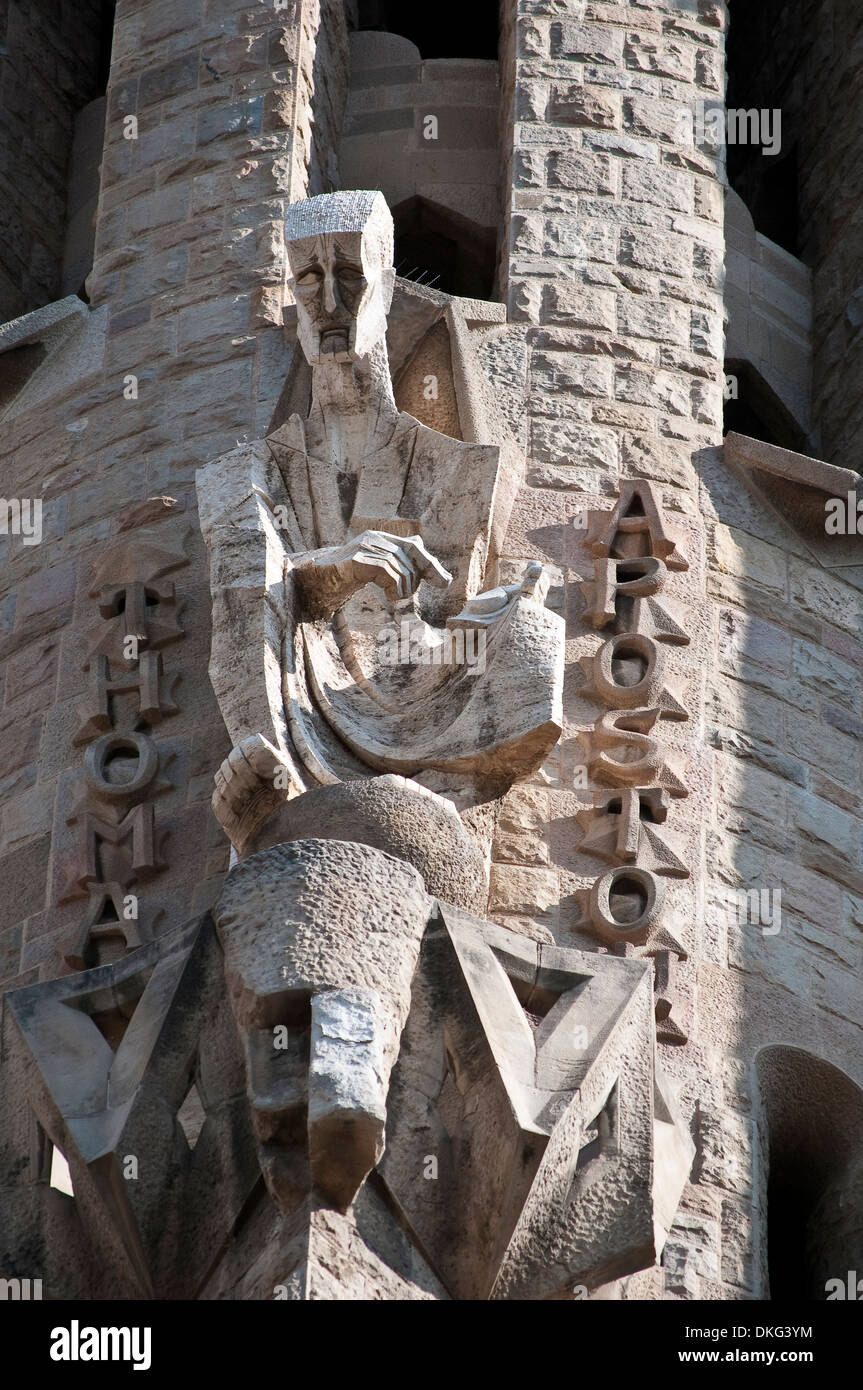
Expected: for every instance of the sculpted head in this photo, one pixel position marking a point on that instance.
(340, 247)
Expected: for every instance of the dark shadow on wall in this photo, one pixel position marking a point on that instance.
(764, 76)
(758, 412)
(53, 77)
(785, 887)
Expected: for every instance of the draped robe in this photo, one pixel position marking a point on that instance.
(320, 690)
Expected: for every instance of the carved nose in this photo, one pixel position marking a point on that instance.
(331, 299)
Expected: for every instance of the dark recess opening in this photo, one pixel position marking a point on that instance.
(789, 1209)
(446, 29)
(758, 413)
(17, 365)
(83, 155)
(447, 251)
(761, 77)
(812, 1131)
(627, 900)
(106, 42)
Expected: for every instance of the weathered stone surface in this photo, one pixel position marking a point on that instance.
(507, 1083)
(566, 169)
(398, 816)
(109, 1056)
(350, 680)
(334, 928)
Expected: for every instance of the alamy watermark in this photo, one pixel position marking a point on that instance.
(21, 516)
(758, 908)
(844, 515)
(718, 126)
(20, 1290)
(409, 646)
(849, 1289)
(77, 1343)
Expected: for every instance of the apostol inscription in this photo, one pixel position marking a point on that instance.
(635, 557)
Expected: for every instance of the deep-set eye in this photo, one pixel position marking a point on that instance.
(350, 272)
(312, 275)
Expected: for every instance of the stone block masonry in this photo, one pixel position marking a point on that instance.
(613, 263)
(615, 229)
(182, 355)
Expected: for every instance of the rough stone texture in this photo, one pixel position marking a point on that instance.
(401, 818)
(350, 549)
(334, 927)
(107, 1059)
(634, 222)
(271, 914)
(188, 248)
(605, 367)
(528, 1134)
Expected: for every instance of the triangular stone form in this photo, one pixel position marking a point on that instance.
(797, 488)
(142, 1192)
(505, 1104)
(93, 1098)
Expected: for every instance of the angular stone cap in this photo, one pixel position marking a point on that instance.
(795, 468)
(798, 487)
(42, 323)
(66, 324)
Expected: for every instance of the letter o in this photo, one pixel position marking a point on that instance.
(613, 929)
(97, 756)
(644, 692)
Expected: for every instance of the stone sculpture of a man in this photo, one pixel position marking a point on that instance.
(348, 550)
(359, 900)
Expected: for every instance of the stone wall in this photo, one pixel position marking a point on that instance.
(452, 165)
(783, 717)
(768, 296)
(615, 268)
(611, 267)
(181, 354)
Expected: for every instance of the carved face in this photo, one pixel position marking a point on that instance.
(343, 292)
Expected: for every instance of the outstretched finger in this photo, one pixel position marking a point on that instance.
(425, 563)
(391, 571)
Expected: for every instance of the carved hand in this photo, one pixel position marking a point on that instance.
(251, 782)
(396, 564)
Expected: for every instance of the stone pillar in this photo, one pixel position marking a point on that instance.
(209, 136)
(612, 260)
